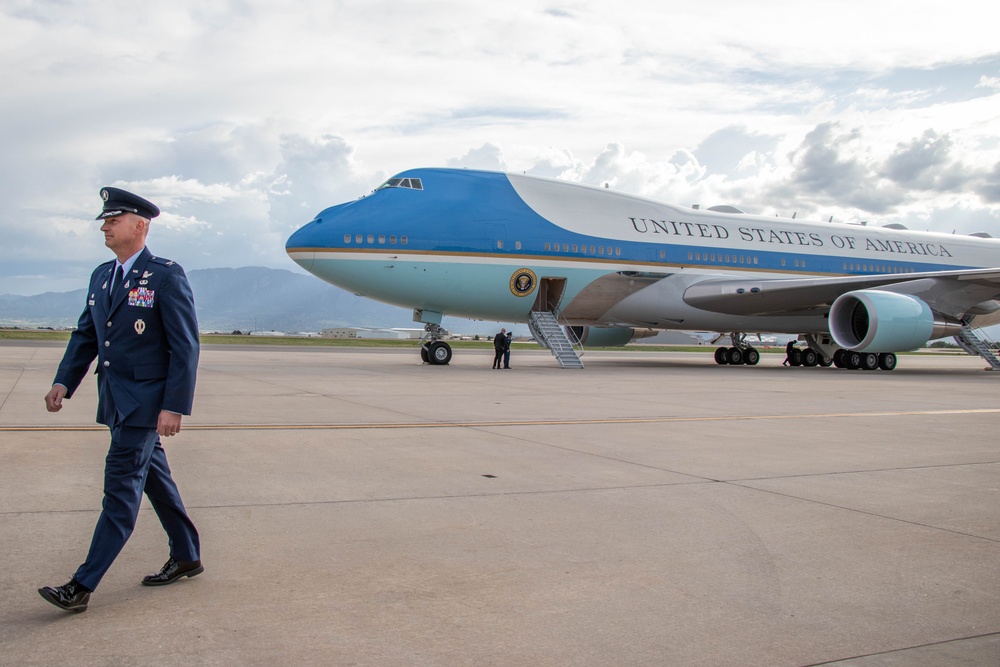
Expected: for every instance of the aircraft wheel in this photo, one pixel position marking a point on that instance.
(735, 356)
(751, 356)
(809, 358)
(887, 361)
(795, 358)
(721, 356)
(825, 361)
(439, 353)
(423, 353)
(838, 358)
(869, 361)
(852, 360)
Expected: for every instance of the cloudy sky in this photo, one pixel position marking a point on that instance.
(242, 119)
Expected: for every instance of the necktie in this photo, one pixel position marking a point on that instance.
(116, 283)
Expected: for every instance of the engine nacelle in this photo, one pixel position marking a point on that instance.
(606, 336)
(875, 321)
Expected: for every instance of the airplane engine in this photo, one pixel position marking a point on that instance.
(607, 336)
(876, 321)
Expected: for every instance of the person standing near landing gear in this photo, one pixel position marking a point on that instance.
(789, 350)
(140, 325)
(498, 344)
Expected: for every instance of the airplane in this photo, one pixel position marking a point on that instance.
(587, 266)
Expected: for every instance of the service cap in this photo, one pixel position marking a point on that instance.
(117, 202)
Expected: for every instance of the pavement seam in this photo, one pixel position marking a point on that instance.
(865, 512)
(537, 422)
(900, 650)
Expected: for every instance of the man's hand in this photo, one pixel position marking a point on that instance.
(54, 399)
(168, 424)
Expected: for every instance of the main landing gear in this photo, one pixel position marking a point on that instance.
(868, 361)
(740, 353)
(819, 351)
(433, 350)
(797, 356)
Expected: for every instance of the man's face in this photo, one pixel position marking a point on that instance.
(124, 232)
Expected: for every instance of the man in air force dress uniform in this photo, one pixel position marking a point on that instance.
(140, 326)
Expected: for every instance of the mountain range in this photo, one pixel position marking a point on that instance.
(255, 298)
(246, 299)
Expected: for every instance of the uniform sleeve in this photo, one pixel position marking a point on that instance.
(82, 350)
(180, 326)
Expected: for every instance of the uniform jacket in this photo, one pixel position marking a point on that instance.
(145, 342)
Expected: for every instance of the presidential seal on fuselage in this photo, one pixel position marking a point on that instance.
(523, 282)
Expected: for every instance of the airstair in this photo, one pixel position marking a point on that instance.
(972, 343)
(546, 330)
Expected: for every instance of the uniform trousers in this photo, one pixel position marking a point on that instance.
(136, 463)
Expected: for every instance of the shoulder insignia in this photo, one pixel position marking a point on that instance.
(162, 261)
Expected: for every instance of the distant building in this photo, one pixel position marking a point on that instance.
(363, 333)
(413, 334)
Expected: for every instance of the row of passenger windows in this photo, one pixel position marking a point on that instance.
(796, 263)
(593, 250)
(723, 258)
(549, 247)
(877, 268)
(360, 238)
(611, 250)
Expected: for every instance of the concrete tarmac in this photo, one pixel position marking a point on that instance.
(359, 508)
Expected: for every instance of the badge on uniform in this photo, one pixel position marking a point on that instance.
(140, 326)
(141, 297)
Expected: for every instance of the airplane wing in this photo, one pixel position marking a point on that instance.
(954, 293)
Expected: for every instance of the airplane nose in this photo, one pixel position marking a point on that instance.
(327, 230)
(301, 244)
(318, 232)
(299, 237)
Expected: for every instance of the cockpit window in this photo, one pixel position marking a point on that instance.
(411, 183)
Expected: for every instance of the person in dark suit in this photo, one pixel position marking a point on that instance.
(506, 349)
(498, 346)
(140, 325)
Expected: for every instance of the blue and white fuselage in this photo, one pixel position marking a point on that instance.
(497, 246)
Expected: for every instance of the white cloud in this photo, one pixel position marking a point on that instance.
(989, 82)
(242, 120)
(487, 156)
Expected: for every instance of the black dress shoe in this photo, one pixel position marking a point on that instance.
(173, 570)
(71, 596)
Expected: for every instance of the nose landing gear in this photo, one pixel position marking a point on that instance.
(433, 350)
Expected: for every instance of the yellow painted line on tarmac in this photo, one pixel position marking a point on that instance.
(531, 422)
